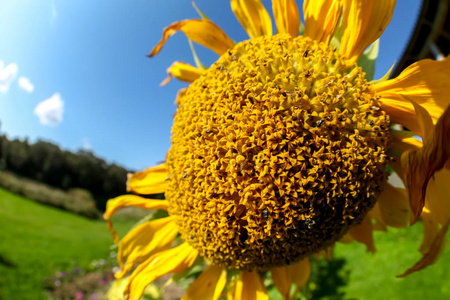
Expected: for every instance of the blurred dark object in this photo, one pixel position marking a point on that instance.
(431, 35)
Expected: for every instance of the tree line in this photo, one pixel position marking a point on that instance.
(47, 163)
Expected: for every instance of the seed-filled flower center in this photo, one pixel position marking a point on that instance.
(277, 150)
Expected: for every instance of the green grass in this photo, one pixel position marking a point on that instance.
(373, 276)
(37, 240)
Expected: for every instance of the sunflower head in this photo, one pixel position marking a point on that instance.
(277, 150)
(280, 148)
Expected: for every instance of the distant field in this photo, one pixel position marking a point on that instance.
(37, 240)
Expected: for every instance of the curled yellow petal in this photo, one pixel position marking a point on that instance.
(253, 17)
(435, 251)
(423, 119)
(363, 23)
(321, 18)
(419, 165)
(209, 285)
(347, 238)
(182, 71)
(426, 83)
(363, 233)
(129, 200)
(430, 229)
(438, 195)
(287, 17)
(201, 31)
(145, 240)
(174, 260)
(249, 286)
(394, 206)
(284, 277)
(150, 181)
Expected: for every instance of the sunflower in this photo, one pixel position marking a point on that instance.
(284, 147)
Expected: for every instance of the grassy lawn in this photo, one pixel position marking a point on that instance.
(37, 240)
(372, 276)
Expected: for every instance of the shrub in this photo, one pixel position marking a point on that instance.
(76, 200)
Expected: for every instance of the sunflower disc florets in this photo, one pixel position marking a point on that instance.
(277, 150)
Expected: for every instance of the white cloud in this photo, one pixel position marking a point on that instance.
(7, 75)
(50, 111)
(85, 145)
(25, 84)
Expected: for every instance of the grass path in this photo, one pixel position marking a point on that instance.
(37, 240)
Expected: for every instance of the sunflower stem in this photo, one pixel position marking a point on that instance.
(204, 17)
(198, 63)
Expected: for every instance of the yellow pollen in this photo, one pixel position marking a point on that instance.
(277, 151)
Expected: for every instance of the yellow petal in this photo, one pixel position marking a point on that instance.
(300, 272)
(423, 118)
(436, 249)
(420, 164)
(375, 214)
(430, 229)
(174, 260)
(286, 16)
(180, 96)
(145, 240)
(326, 253)
(281, 279)
(403, 143)
(253, 17)
(150, 181)
(209, 285)
(425, 82)
(182, 71)
(397, 166)
(438, 194)
(379, 226)
(129, 200)
(204, 32)
(347, 238)
(394, 206)
(284, 277)
(363, 23)
(321, 18)
(363, 233)
(249, 286)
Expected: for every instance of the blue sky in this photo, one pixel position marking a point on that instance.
(82, 67)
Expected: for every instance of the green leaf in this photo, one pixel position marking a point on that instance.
(368, 58)
(183, 279)
(301, 29)
(273, 293)
(337, 36)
